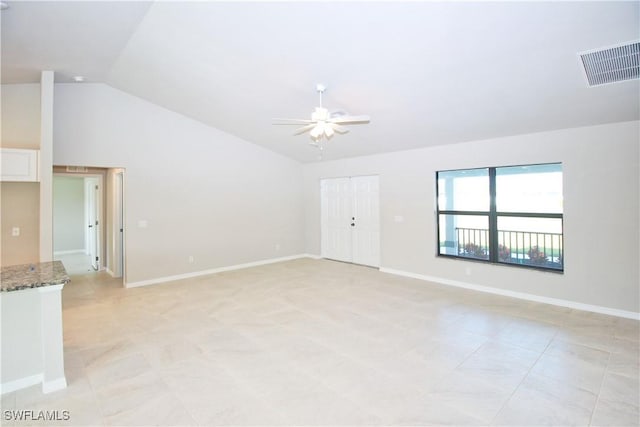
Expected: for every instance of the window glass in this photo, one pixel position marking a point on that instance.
(464, 190)
(536, 188)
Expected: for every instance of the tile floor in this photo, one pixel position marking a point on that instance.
(75, 264)
(315, 342)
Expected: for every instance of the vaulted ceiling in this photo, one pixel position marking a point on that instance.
(427, 73)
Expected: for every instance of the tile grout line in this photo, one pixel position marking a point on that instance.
(521, 381)
(604, 375)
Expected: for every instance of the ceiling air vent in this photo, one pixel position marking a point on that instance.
(77, 169)
(610, 65)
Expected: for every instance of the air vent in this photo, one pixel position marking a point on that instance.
(77, 169)
(615, 64)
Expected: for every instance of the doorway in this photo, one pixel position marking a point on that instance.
(350, 219)
(77, 202)
(96, 211)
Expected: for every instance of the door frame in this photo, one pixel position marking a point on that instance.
(93, 231)
(111, 214)
(118, 224)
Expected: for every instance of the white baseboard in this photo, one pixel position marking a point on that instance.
(55, 385)
(519, 295)
(21, 383)
(69, 252)
(213, 271)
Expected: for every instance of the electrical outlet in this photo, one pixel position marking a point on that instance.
(191, 259)
(277, 247)
(15, 231)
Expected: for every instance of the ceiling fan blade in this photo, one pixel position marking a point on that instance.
(350, 119)
(291, 121)
(339, 128)
(304, 129)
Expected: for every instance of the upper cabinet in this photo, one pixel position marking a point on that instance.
(19, 165)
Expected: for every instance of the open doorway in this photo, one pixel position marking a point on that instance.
(76, 222)
(88, 219)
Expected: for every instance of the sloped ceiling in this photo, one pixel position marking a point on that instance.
(428, 73)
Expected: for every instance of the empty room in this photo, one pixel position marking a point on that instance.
(320, 213)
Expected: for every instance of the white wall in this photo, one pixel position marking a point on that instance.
(21, 346)
(601, 215)
(68, 214)
(45, 160)
(33, 352)
(202, 192)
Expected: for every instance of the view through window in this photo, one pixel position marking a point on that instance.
(508, 215)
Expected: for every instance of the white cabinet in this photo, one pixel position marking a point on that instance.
(19, 165)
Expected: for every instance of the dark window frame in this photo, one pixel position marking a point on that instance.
(492, 217)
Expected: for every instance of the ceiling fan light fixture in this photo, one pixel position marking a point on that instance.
(320, 114)
(324, 124)
(328, 131)
(316, 132)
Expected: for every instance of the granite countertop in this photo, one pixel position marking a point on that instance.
(26, 276)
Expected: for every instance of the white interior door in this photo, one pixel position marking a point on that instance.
(336, 211)
(365, 236)
(93, 240)
(350, 221)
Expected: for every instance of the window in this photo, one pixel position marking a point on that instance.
(504, 215)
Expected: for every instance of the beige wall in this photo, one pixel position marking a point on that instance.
(20, 208)
(601, 214)
(20, 201)
(20, 116)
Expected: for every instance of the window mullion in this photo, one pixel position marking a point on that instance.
(493, 217)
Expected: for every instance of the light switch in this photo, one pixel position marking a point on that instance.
(142, 223)
(398, 218)
(15, 231)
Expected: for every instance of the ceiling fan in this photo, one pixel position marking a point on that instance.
(323, 123)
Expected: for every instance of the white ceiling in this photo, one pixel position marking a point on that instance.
(428, 73)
